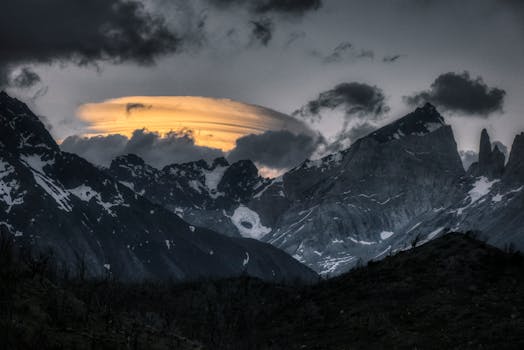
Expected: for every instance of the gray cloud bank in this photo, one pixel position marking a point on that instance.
(273, 149)
(81, 32)
(459, 92)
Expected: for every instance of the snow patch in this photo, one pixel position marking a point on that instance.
(433, 234)
(248, 223)
(84, 193)
(414, 227)
(361, 242)
(214, 176)
(246, 260)
(386, 234)
(35, 162)
(8, 188)
(481, 188)
(195, 185)
(129, 185)
(56, 191)
(497, 198)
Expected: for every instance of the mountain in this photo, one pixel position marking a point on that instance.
(398, 187)
(361, 204)
(201, 193)
(58, 202)
(491, 161)
(454, 292)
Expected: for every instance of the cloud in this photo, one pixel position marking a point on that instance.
(81, 32)
(391, 58)
(275, 149)
(287, 7)
(468, 158)
(293, 37)
(361, 107)
(262, 15)
(462, 94)
(25, 79)
(136, 105)
(358, 100)
(347, 136)
(155, 149)
(99, 150)
(262, 30)
(345, 51)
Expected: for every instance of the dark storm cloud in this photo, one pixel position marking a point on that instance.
(357, 100)
(157, 150)
(461, 93)
(289, 7)
(131, 106)
(275, 149)
(262, 30)
(391, 58)
(343, 52)
(25, 79)
(99, 150)
(79, 31)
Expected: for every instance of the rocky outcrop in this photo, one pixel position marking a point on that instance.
(491, 161)
(515, 167)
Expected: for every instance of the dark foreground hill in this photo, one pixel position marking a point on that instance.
(452, 293)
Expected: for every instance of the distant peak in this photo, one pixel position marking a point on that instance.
(221, 161)
(21, 128)
(429, 107)
(130, 159)
(422, 121)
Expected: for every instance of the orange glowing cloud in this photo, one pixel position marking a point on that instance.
(216, 123)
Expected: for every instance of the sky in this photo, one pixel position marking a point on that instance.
(123, 70)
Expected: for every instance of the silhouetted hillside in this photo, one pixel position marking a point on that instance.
(453, 292)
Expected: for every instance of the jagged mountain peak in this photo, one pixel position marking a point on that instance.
(514, 171)
(21, 128)
(422, 121)
(491, 161)
(129, 159)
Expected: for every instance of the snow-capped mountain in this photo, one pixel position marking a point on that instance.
(400, 186)
(57, 201)
(201, 193)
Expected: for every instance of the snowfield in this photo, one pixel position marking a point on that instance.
(248, 223)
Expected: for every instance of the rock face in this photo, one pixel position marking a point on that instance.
(356, 205)
(515, 169)
(491, 162)
(396, 188)
(55, 200)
